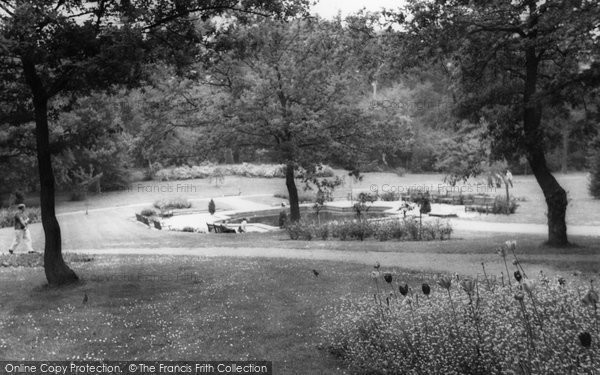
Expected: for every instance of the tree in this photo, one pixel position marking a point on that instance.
(512, 59)
(69, 46)
(294, 91)
(211, 207)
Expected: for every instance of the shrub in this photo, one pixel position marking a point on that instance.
(301, 230)
(471, 326)
(148, 212)
(188, 229)
(400, 171)
(390, 196)
(501, 207)
(78, 195)
(594, 167)
(382, 230)
(173, 203)
(283, 219)
(218, 172)
(211, 207)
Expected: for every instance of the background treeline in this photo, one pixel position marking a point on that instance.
(370, 111)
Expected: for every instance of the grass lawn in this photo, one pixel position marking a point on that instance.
(230, 308)
(187, 308)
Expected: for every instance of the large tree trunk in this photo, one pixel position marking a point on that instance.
(564, 168)
(290, 182)
(57, 272)
(556, 197)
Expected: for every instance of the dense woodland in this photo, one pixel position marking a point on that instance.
(98, 89)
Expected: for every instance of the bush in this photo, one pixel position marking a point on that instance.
(501, 207)
(469, 326)
(246, 170)
(148, 212)
(211, 207)
(301, 230)
(283, 219)
(594, 164)
(7, 216)
(382, 230)
(400, 172)
(390, 196)
(188, 229)
(173, 203)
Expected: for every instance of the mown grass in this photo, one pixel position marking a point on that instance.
(170, 308)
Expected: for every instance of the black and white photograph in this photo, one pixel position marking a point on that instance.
(245, 187)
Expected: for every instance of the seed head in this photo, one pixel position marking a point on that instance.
(585, 338)
(426, 289)
(387, 277)
(403, 289)
(518, 276)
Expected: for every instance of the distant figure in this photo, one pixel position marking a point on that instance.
(509, 178)
(22, 235)
(242, 228)
(498, 180)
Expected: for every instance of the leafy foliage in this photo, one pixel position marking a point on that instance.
(594, 163)
(382, 230)
(468, 326)
(167, 204)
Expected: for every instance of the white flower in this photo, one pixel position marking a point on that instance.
(529, 285)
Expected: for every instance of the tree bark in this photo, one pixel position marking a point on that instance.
(290, 182)
(555, 195)
(57, 272)
(564, 165)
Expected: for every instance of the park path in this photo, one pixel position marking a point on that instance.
(465, 264)
(244, 203)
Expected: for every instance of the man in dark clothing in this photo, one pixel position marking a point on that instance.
(22, 235)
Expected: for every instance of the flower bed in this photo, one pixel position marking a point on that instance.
(382, 230)
(530, 325)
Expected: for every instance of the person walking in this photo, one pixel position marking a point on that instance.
(22, 234)
(509, 178)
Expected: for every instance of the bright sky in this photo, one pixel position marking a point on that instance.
(330, 8)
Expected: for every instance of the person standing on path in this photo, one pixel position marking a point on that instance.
(22, 235)
(509, 178)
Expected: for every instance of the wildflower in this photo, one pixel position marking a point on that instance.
(468, 285)
(515, 262)
(501, 251)
(403, 289)
(518, 276)
(445, 282)
(585, 339)
(387, 277)
(426, 289)
(374, 275)
(591, 298)
(511, 245)
(377, 265)
(519, 296)
(562, 281)
(529, 285)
